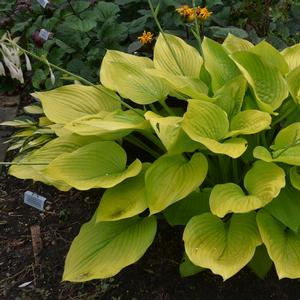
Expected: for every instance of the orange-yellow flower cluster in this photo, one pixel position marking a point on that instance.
(189, 13)
(146, 37)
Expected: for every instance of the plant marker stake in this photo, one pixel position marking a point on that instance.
(44, 34)
(43, 3)
(34, 200)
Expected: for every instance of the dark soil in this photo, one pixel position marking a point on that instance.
(155, 276)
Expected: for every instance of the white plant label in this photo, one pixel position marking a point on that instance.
(43, 3)
(34, 200)
(44, 34)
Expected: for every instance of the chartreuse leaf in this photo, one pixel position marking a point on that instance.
(125, 200)
(172, 178)
(97, 165)
(233, 44)
(261, 262)
(231, 95)
(118, 69)
(187, 268)
(292, 56)
(70, 102)
(295, 178)
(286, 147)
(249, 122)
(175, 56)
(43, 156)
(103, 249)
(283, 245)
(208, 124)
(271, 56)
(194, 204)
(224, 248)
(189, 86)
(293, 79)
(266, 81)
(286, 207)
(218, 63)
(109, 125)
(263, 183)
(169, 131)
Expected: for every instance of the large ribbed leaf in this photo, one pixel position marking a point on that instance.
(271, 56)
(207, 123)
(108, 125)
(189, 86)
(233, 44)
(171, 178)
(263, 183)
(74, 101)
(231, 95)
(182, 211)
(103, 249)
(169, 131)
(125, 200)
(286, 147)
(293, 81)
(175, 56)
(217, 62)
(268, 85)
(286, 208)
(187, 268)
(292, 56)
(283, 245)
(43, 156)
(295, 178)
(126, 74)
(224, 248)
(249, 122)
(97, 165)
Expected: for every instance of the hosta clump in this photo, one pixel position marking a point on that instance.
(221, 138)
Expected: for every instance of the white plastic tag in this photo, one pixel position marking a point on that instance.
(43, 3)
(44, 34)
(34, 200)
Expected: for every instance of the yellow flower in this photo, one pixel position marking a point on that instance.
(203, 13)
(146, 37)
(185, 11)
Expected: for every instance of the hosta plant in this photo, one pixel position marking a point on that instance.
(217, 140)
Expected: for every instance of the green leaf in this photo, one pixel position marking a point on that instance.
(71, 102)
(169, 131)
(97, 165)
(286, 207)
(81, 25)
(295, 178)
(175, 56)
(217, 62)
(224, 248)
(282, 244)
(292, 56)
(187, 268)
(271, 56)
(234, 44)
(249, 122)
(231, 95)
(106, 10)
(33, 109)
(292, 80)
(263, 183)
(267, 83)
(125, 200)
(118, 69)
(103, 249)
(208, 124)
(194, 204)
(43, 156)
(261, 262)
(108, 125)
(172, 178)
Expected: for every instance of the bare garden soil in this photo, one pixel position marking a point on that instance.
(155, 276)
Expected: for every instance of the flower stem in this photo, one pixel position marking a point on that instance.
(167, 108)
(197, 27)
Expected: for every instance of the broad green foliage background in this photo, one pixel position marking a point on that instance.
(216, 139)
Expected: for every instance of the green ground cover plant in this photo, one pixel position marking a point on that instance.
(216, 134)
